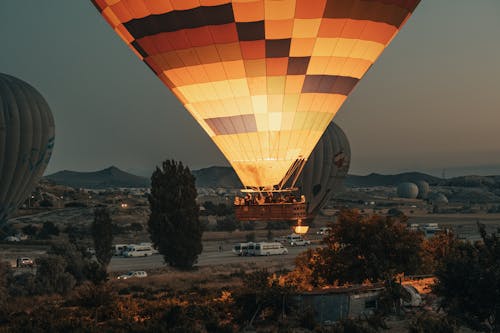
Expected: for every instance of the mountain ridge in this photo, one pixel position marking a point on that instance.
(225, 177)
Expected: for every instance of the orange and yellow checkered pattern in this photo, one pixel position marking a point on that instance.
(264, 78)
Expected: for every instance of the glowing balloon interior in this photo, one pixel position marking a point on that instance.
(264, 78)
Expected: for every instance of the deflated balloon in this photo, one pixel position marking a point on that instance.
(264, 78)
(26, 141)
(325, 169)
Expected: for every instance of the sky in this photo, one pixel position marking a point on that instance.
(431, 102)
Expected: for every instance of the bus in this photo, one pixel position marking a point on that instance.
(242, 249)
(267, 249)
(138, 251)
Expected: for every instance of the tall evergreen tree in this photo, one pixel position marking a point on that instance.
(174, 224)
(102, 234)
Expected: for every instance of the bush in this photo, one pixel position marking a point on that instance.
(30, 230)
(48, 229)
(52, 277)
(431, 323)
(227, 224)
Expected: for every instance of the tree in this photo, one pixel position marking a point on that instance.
(51, 276)
(173, 224)
(5, 275)
(435, 249)
(48, 229)
(469, 282)
(102, 234)
(361, 247)
(30, 230)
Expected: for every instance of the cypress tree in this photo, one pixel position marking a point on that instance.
(173, 224)
(102, 234)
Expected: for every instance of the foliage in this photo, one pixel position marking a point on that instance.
(78, 262)
(229, 223)
(52, 277)
(102, 235)
(431, 323)
(263, 296)
(5, 275)
(30, 230)
(48, 229)
(75, 259)
(351, 326)
(173, 224)
(218, 210)
(435, 249)
(469, 282)
(361, 247)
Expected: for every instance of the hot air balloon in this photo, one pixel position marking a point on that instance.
(325, 169)
(26, 141)
(264, 78)
(407, 190)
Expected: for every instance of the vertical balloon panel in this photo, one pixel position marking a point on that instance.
(26, 141)
(264, 78)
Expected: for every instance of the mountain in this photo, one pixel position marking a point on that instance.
(217, 177)
(226, 177)
(109, 177)
(375, 179)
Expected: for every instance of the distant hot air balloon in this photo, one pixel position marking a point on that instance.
(26, 141)
(423, 189)
(325, 169)
(264, 78)
(407, 190)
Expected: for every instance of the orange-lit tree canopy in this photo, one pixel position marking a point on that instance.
(264, 78)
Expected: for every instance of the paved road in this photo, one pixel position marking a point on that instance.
(207, 258)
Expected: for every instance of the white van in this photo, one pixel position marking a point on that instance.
(267, 249)
(138, 251)
(118, 249)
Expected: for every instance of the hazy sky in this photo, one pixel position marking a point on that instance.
(432, 101)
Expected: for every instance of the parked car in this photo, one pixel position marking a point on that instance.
(132, 274)
(297, 240)
(24, 262)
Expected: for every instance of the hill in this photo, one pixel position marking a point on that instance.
(217, 177)
(109, 177)
(226, 177)
(375, 179)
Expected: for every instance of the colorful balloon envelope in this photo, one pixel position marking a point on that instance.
(264, 78)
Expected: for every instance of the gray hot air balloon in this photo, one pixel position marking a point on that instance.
(407, 190)
(325, 169)
(423, 189)
(26, 141)
(438, 199)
